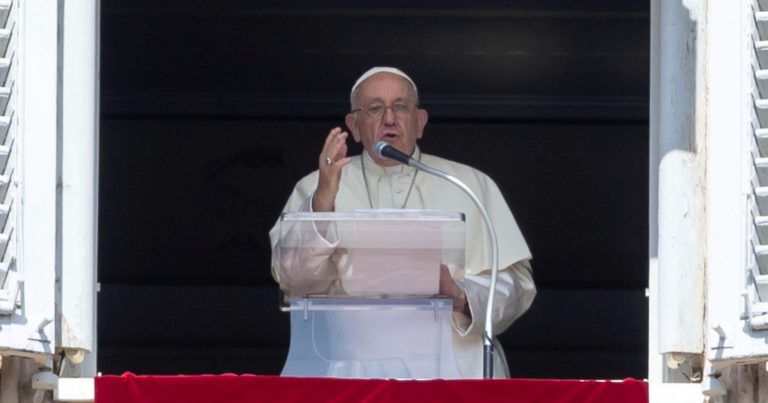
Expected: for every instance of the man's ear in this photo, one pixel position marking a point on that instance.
(421, 119)
(352, 125)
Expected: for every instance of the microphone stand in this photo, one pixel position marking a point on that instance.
(488, 332)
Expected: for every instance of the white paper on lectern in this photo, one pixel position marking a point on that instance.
(393, 258)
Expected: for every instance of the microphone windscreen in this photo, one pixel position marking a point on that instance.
(378, 148)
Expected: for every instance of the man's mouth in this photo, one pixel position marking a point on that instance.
(389, 136)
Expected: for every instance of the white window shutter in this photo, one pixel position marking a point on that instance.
(756, 292)
(28, 133)
(736, 82)
(10, 278)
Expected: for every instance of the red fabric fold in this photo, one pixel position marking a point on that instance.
(254, 388)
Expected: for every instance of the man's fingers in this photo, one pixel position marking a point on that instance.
(341, 150)
(447, 285)
(329, 141)
(332, 135)
(450, 288)
(335, 148)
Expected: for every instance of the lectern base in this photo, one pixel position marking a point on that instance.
(352, 337)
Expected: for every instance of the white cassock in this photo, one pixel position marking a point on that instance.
(395, 187)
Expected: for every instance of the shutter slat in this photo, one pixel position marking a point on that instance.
(757, 271)
(9, 272)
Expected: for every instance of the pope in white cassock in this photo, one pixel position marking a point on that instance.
(385, 107)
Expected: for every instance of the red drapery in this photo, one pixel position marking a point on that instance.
(253, 388)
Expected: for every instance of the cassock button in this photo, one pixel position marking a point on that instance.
(398, 190)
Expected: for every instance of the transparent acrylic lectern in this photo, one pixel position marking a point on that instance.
(382, 317)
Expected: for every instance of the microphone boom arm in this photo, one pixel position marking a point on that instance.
(488, 332)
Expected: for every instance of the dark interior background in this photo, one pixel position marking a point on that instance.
(211, 111)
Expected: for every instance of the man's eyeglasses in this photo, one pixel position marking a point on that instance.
(376, 111)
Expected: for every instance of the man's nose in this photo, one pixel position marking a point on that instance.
(389, 116)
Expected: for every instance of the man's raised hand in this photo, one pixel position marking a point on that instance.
(332, 159)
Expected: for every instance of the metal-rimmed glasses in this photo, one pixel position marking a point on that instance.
(376, 110)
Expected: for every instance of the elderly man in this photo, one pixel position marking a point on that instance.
(385, 104)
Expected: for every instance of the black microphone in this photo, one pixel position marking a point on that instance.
(385, 151)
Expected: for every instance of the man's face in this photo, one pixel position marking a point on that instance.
(396, 126)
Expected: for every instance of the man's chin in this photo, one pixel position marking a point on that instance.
(398, 143)
(393, 141)
(385, 162)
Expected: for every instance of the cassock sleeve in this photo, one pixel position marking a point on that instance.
(515, 291)
(303, 259)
